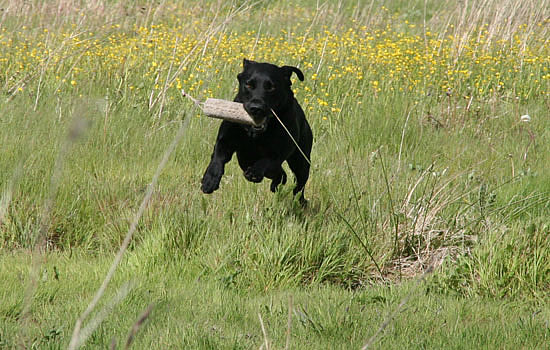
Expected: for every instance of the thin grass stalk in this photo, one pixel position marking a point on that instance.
(402, 303)
(367, 250)
(40, 240)
(137, 325)
(87, 331)
(363, 222)
(7, 193)
(166, 84)
(75, 339)
(288, 323)
(402, 140)
(392, 214)
(265, 345)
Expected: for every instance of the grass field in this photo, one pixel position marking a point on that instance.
(429, 210)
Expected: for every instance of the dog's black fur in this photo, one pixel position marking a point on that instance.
(261, 150)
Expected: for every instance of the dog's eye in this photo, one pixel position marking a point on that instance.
(249, 85)
(269, 87)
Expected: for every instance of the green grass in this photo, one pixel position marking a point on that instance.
(193, 310)
(420, 160)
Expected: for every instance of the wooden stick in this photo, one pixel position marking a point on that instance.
(227, 110)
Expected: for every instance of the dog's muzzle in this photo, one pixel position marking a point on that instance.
(258, 129)
(257, 111)
(260, 114)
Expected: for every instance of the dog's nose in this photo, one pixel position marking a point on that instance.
(255, 108)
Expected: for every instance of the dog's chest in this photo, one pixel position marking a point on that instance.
(255, 133)
(257, 147)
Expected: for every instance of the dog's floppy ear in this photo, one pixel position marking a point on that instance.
(287, 71)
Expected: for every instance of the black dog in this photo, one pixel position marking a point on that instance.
(264, 88)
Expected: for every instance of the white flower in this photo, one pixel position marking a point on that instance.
(525, 118)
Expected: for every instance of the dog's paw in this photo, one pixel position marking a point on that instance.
(254, 174)
(210, 183)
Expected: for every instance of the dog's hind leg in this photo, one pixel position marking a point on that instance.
(300, 163)
(300, 167)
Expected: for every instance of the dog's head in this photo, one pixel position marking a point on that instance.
(264, 87)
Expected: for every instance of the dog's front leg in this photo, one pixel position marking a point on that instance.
(223, 151)
(214, 172)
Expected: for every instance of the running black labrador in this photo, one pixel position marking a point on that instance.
(261, 150)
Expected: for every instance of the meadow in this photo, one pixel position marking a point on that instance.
(429, 212)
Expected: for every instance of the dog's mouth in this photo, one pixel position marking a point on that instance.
(260, 125)
(260, 117)
(259, 128)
